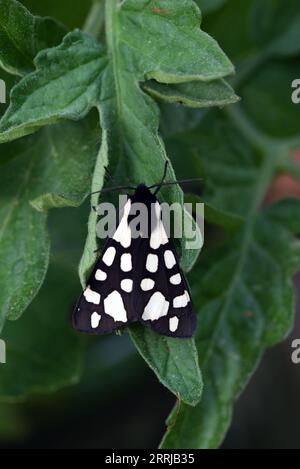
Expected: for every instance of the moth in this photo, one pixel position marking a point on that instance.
(137, 279)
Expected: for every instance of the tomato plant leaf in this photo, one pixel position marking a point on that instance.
(193, 94)
(174, 361)
(23, 35)
(215, 215)
(50, 169)
(68, 90)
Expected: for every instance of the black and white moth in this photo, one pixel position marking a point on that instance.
(137, 279)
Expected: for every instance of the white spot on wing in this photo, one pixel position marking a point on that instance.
(109, 256)
(170, 260)
(114, 307)
(173, 323)
(147, 284)
(152, 263)
(126, 262)
(91, 296)
(95, 319)
(181, 301)
(156, 307)
(100, 275)
(123, 232)
(127, 285)
(158, 236)
(175, 279)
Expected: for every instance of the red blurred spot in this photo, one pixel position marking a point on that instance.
(284, 185)
(248, 314)
(158, 10)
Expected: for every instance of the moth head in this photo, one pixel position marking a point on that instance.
(143, 193)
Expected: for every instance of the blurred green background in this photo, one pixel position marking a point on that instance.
(118, 403)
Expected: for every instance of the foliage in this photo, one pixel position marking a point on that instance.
(97, 95)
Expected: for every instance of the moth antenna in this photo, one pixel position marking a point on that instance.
(112, 189)
(162, 179)
(170, 183)
(109, 174)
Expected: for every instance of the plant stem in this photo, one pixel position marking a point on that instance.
(263, 143)
(95, 20)
(111, 27)
(110, 23)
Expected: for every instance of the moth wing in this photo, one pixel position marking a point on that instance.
(107, 302)
(166, 301)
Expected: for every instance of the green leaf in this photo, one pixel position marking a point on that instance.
(43, 353)
(193, 94)
(24, 243)
(68, 90)
(77, 65)
(193, 56)
(247, 303)
(71, 149)
(23, 35)
(91, 244)
(226, 162)
(245, 296)
(50, 169)
(214, 215)
(174, 361)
